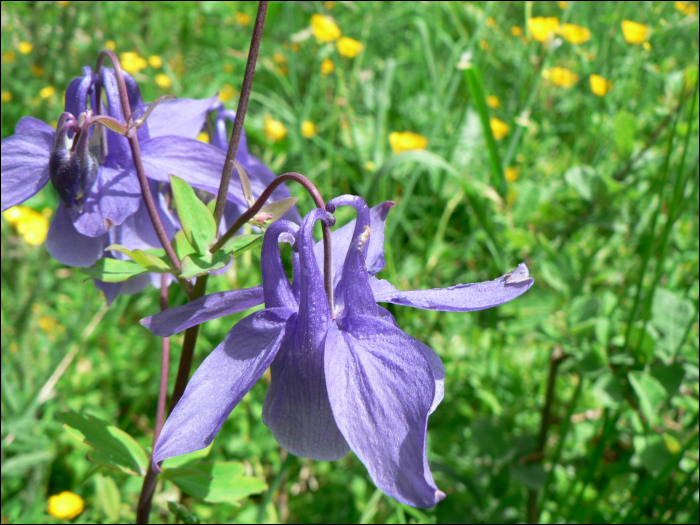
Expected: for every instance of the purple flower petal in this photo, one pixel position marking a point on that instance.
(458, 298)
(26, 124)
(130, 286)
(197, 163)
(115, 196)
(119, 152)
(25, 162)
(381, 388)
(342, 237)
(296, 408)
(212, 306)
(183, 117)
(68, 246)
(278, 292)
(220, 383)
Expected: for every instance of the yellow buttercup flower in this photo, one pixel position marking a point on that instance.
(575, 34)
(491, 22)
(562, 77)
(600, 85)
(164, 80)
(132, 62)
(499, 128)
(308, 129)
(25, 47)
(31, 225)
(9, 56)
(274, 129)
(324, 28)
(327, 67)
(155, 61)
(511, 174)
(562, 4)
(329, 5)
(243, 19)
(406, 140)
(646, 46)
(47, 92)
(493, 102)
(279, 58)
(687, 8)
(63, 4)
(47, 324)
(543, 27)
(228, 92)
(203, 136)
(65, 506)
(483, 44)
(349, 47)
(111, 45)
(634, 33)
(6, 96)
(516, 31)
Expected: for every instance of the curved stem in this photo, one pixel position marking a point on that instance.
(240, 113)
(320, 203)
(121, 84)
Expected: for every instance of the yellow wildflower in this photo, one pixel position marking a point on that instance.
(516, 31)
(228, 92)
(370, 166)
(511, 174)
(274, 129)
(562, 77)
(9, 56)
(25, 47)
(633, 32)
(279, 58)
(31, 225)
(228, 68)
(349, 47)
(47, 92)
(308, 129)
(483, 44)
(37, 71)
(687, 8)
(329, 5)
(6, 96)
(562, 5)
(324, 28)
(493, 102)
(164, 80)
(63, 4)
(327, 67)
(498, 128)
(543, 27)
(243, 19)
(600, 85)
(65, 506)
(132, 62)
(406, 140)
(111, 45)
(575, 34)
(155, 61)
(47, 324)
(647, 47)
(203, 136)
(491, 22)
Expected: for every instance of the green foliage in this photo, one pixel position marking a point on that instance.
(601, 202)
(196, 219)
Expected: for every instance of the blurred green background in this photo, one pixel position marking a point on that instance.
(596, 192)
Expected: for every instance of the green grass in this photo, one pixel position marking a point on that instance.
(604, 212)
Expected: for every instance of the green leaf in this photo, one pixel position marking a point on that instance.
(113, 448)
(19, 464)
(149, 261)
(670, 376)
(242, 243)
(196, 265)
(182, 513)
(108, 498)
(476, 89)
(625, 132)
(532, 476)
(182, 246)
(609, 390)
(585, 181)
(196, 219)
(650, 392)
(114, 270)
(651, 452)
(278, 208)
(222, 482)
(179, 461)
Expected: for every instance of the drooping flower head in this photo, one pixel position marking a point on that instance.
(346, 379)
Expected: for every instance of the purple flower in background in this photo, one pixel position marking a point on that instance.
(353, 382)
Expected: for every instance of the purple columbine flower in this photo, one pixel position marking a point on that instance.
(353, 381)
